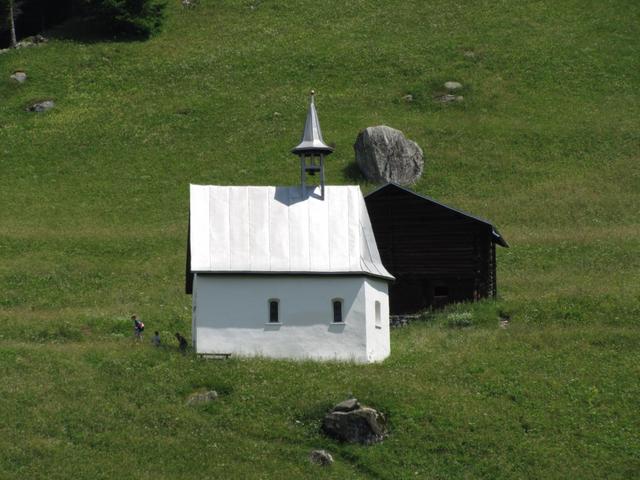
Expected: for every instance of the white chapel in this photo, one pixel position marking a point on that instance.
(287, 272)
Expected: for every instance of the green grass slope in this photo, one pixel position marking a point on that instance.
(93, 212)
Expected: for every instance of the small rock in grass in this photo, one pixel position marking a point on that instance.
(200, 398)
(41, 106)
(399, 321)
(351, 422)
(19, 76)
(25, 43)
(408, 98)
(31, 41)
(448, 98)
(452, 86)
(469, 54)
(321, 457)
(347, 405)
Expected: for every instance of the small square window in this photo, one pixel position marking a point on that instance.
(337, 311)
(274, 311)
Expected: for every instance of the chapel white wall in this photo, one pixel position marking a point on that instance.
(378, 332)
(232, 316)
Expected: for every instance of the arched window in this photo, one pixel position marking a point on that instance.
(274, 310)
(337, 310)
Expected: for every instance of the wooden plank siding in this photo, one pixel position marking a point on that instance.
(438, 255)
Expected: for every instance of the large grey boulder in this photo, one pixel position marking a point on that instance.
(385, 155)
(351, 422)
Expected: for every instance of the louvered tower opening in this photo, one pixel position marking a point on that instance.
(311, 150)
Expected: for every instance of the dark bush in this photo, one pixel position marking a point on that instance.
(130, 17)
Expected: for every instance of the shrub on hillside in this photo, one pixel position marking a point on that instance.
(460, 319)
(135, 17)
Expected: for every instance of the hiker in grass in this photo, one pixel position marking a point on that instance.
(155, 340)
(183, 343)
(138, 328)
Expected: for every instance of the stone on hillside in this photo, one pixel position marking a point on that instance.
(505, 319)
(448, 98)
(384, 155)
(19, 76)
(399, 321)
(41, 106)
(362, 425)
(452, 86)
(408, 98)
(25, 43)
(31, 41)
(200, 398)
(347, 405)
(321, 457)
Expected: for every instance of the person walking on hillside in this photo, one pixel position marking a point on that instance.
(183, 343)
(138, 328)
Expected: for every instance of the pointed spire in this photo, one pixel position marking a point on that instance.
(312, 142)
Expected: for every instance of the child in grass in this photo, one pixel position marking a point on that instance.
(138, 328)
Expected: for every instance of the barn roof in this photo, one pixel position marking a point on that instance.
(495, 234)
(277, 230)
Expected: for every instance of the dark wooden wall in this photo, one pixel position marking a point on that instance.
(438, 255)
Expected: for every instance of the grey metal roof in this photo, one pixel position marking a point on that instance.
(312, 141)
(279, 230)
(497, 237)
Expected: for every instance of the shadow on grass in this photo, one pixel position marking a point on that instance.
(91, 30)
(353, 173)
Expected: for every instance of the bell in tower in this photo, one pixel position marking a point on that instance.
(312, 150)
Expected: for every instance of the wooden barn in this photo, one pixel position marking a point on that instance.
(438, 254)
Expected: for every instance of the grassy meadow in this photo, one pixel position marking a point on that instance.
(93, 218)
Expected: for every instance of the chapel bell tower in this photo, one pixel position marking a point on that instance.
(312, 150)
